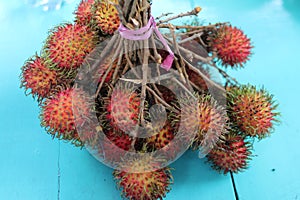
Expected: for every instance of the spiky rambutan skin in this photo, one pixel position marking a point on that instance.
(161, 137)
(120, 139)
(38, 78)
(60, 117)
(144, 186)
(230, 155)
(232, 46)
(209, 120)
(68, 45)
(83, 12)
(123, 108)
(114, 148)
(106, 16)
(252, 111)
(161, 140)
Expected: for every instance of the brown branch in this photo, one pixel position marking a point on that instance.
(225, 74)
(161, 100)
(114, 78)
(144, 72)
(163, 15)
(207, 79)
(194, 28)
(157, 56)
(181, 66)
(195, 11)
(117, 52)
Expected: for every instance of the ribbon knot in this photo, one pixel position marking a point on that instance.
(144, 33)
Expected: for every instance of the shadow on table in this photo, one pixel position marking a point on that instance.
(293, 7)
(190, 169)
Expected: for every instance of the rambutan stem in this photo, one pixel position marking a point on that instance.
(194, 28)
(195, 11)
(225, 74)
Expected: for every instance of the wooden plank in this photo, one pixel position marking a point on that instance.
(28, 166)
(82, 177)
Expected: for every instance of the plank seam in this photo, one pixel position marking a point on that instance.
(58, 172)
(234, 186)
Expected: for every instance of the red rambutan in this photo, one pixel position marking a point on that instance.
(38, 78)
(123, 108)
(115, 147)
(230, 155)
(60, 117)
(160, 137)
(120, 139)
(84, 12)
(161, 141)
(68, 45)
(251, 110)
(232, 46)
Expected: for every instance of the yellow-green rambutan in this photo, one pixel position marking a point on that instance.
(252, 111)
(38, 78)
(106, 16)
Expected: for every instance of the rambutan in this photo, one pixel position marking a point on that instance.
(161, 137)
(68, 45)
(252, 111)
(123, 108)
(38, 78)
(60, 117)
(162, 142)
(83, 12)
(145, 185)
(209, 120)
(232, 46)
(115, 146)
(230, 155)
(120, 139)
(106, 16)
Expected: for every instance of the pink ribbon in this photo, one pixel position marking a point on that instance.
(144, 33)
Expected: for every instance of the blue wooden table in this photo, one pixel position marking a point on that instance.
(35, 167)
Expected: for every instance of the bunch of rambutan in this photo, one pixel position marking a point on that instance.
(121, 117)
